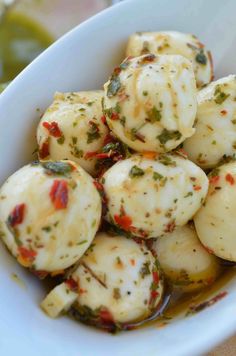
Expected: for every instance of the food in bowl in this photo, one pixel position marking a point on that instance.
(133, 243)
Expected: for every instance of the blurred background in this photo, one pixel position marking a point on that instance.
(27, 27)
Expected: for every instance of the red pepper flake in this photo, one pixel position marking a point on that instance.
(44, 149)
(229, 178)
(124, 221)
(155, 277)
(103, 119)
(117, 71)
(27, 254)
(223, 112)
(170, 227)
(154, 294)
(214, 180)
(106, 316)
(114, 116)
(16, 217)
(72, 284)
(197, 187)
(98, 186)
(52, 128)
(149, 58)
(133, 262)
(59, 194)
(181, 152)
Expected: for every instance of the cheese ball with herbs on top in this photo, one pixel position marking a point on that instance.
(215, 222)
(184, 261)
(215, 135)
(49, 214)
(173, 42)
(73, 127)
(150, 197)
(117, 281)
(150, 102)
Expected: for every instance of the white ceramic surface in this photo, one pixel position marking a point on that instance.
(82, 60)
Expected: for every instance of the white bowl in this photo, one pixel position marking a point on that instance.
(83, 59)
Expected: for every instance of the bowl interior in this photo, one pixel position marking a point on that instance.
(83, 59)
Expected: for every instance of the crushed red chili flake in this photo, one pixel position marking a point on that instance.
(154, 294)
(52, 128)
(72, 284)
(214, 180)
(114, 116)
(155, 277)
(106, 316)
(26, 253)
(229, 178)
(181, 152)
(103, 119)
(197, 188)
(132, 261)
(16, 217)
(223, 112)
(44, 149)
(170, 227)
(59, 194)
(117, 71)
(123, 221)
(149, 58)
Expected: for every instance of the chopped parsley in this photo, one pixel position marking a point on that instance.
(201, 57)
(157, 176)
(154, 115)
(114, 86)
(136, 172)
(58, 168)
(167, 135)
(220, 96)
(93, 132)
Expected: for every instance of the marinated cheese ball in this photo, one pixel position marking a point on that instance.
(172, 42)
(150, 102)
(215, 222)
(73, 127)
(116, 281)
(49, 214)
(215, 135)
(184, 261)
(150, 197)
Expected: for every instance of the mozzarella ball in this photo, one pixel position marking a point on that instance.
(149, 197)
(150, 102)
(215, 222)
(215, 135)
(184, 261)
(49, 214)
(172, 42)
(118, 279)
(72, 128)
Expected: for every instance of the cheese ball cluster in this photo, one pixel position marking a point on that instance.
(124, 287)
(215, 222)
(150, 197)
(173, 42)
(73, 127)
(150, 102)
(215, 135)
(184, 261)
(124, 241)
(49, 214)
